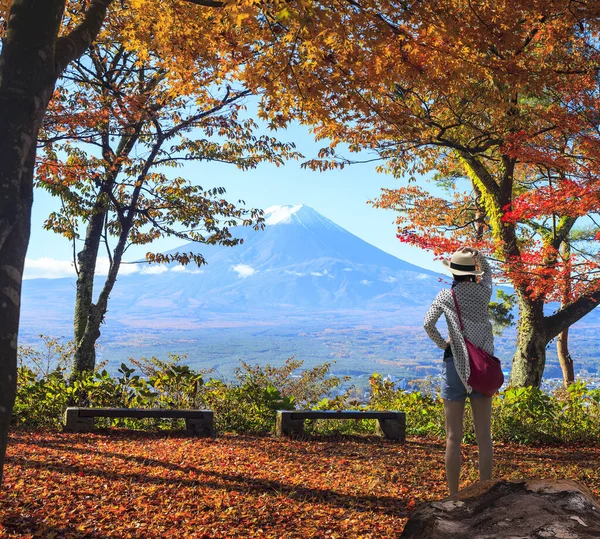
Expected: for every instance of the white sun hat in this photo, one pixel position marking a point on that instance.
(462, 263)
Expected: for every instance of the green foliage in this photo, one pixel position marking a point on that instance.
(53, 355)
(424, 412)
(248, 404)
(246, 407)
(523, 415)
(168, 384)
(500, 312)
(526, 415)
(41, 400)
(42, 391)
(306, 387)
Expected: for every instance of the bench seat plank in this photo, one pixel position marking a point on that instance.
(197, 422)
(140, 413)
(343, 414)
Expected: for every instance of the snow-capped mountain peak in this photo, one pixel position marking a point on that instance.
(280, 214)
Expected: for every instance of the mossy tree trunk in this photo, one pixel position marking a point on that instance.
(529, 360)
(89, 315)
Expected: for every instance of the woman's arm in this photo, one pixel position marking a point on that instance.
(486, 278)
(431, 318)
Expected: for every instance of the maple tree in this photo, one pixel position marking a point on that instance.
(113, 129)
(497, 92)
(558, 246)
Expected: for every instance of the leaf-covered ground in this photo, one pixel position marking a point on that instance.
(118, 483)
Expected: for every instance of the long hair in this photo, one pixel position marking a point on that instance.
(464, 278)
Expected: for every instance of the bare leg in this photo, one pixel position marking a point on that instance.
(482, 419)
(453, 413)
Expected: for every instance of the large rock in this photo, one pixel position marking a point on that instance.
(526, 509)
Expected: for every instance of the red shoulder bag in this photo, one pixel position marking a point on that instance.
(486, 373)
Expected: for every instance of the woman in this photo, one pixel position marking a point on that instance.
(473, 298)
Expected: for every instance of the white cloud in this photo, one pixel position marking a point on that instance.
(316, 273)
(390, 279)
(185, 269)
(155, 269)
(52, 268)
(243, 270)
(365, 282)
(347, 269)
(296, 273)
(47, 268)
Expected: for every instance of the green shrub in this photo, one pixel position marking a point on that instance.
(528, 415)
(521, 415)
(306, 388)
(245, 408)
(579, 413)
(40, 400)
(424, 412)
(42, 388)
(167, 384)
(525, 415)
(248, 404)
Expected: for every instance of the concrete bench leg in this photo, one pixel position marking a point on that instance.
(394, 429)
(74, 423)
(286, 426)
(201, 427)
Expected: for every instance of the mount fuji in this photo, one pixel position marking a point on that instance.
(300, 261)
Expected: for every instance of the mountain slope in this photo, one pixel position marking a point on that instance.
(301, 260)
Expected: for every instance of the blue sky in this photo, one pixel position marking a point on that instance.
(339, 195)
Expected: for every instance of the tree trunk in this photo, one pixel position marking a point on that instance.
(30, 63)
(12, 257)
(27, 78)
(562, 340)
(530, 357)
(89, 316)
(84, 334)
(565, 359)
(85, 353)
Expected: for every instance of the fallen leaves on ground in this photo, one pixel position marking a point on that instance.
(125, 484)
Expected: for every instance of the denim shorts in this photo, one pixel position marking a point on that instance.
(452, 387)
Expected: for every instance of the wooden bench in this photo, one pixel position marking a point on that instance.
(197, 422)
(390, 424)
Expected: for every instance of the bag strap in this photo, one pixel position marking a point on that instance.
(457, 310)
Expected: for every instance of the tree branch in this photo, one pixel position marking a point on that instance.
(207, 3)
(74, 44)
(570, 314)
(484, 176)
